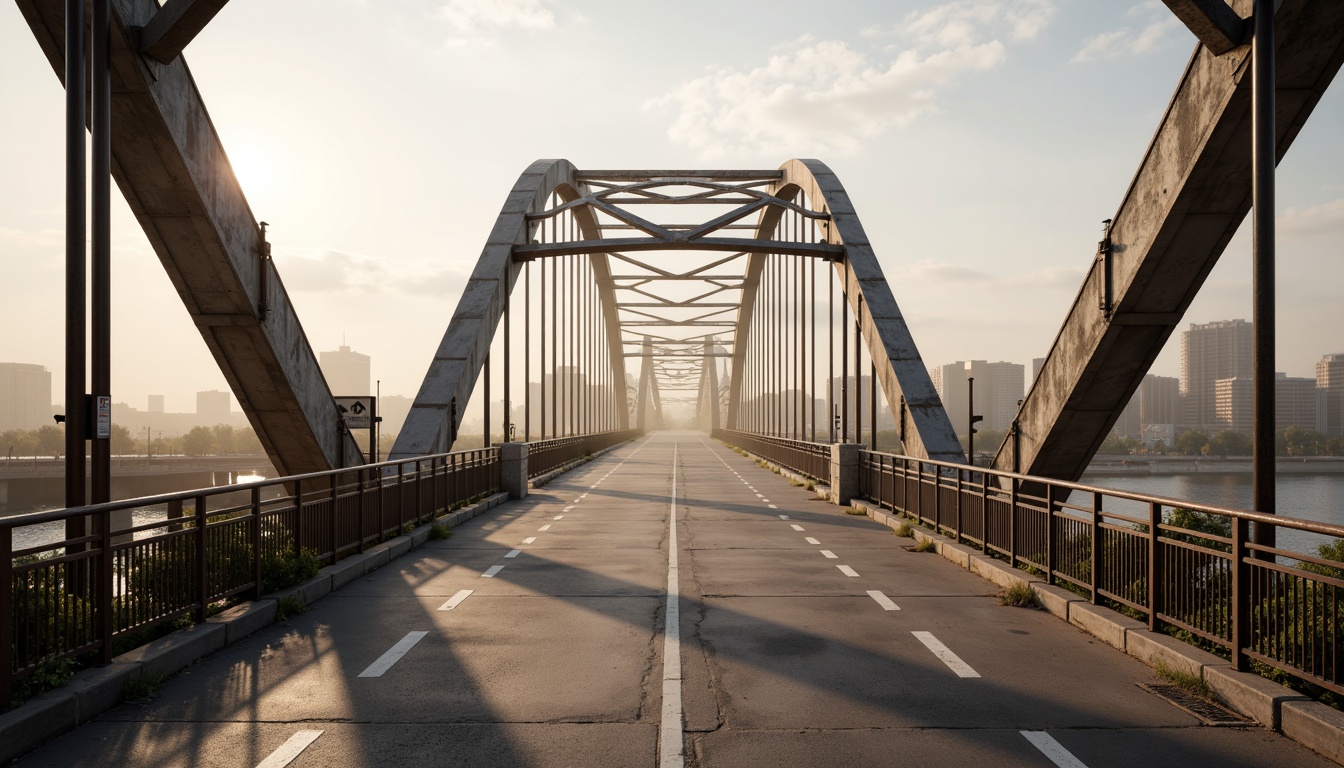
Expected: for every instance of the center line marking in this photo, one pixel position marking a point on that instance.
(291, 749)
(883, 600)
(513, 552)
(796, 527)
(810, 540)
(829, 554)
(850, 572)
(456, 600)
(394, 654)
(772, 506)
(529, 539)
(559, 517)
(566, 509)
(671, 736)
(491, 571)
(783, 517)
(545, 527)
(1053, 749)
(946, 655)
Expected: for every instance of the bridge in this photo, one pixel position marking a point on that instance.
(592, 588)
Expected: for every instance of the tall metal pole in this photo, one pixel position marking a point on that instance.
(1264, 156)
(527, 352)
(101, 368)
(75, 277)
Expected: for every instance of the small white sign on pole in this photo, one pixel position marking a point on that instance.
(357, 412)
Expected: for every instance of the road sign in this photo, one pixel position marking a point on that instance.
(358, 412)
(102, 417)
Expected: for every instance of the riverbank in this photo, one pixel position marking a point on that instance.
(1110, 466)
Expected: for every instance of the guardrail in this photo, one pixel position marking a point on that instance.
(1188, 567)
(811, 459)
(77, 596)
(548, 455)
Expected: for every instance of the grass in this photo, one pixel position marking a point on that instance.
(1020, 595)
(810, 485)
(854, 511)
(439, 532)
(926, 545)
(905, 531)
(287, 607)
(1192, 684)
(142, 688)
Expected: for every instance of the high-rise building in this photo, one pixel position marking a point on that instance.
(1036, 364)
(1209, 352)
(347, 372)
(25, 396)
(1330, 380)
(1153, 404)
(1233, 405)
(212, 407)
(1296, 403)
(998, 388)
(155, 404)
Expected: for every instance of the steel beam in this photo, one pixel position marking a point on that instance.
(171, 167)
(174, 26)
(1190, 194)
(1216, 25)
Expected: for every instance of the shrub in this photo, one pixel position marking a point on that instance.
(287, 569)
(439, 532)
(927, 545)
(1020, 595)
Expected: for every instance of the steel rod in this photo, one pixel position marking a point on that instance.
(1264, 155)
(101, 316)
(75, 276)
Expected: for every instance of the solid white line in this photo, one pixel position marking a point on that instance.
(545, 527)
(850, 572)
(529, 539)
(1053, 749)
(783, 517)
(671, 737)
(291, 749)
(946, 655)
(456, 600)
(883, 600)
(491, 571)
(796, 527)
(513, 552)
(829, 554)
(810, 540)
(393, 655)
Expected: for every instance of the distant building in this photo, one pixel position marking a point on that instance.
(1297, 403)
(347, 372)
(212, 407)
(1036, 364)
(25, 396)
(1153, 404)
(998, 387)
(1210, 352)
(1233, 405)
(155, 404)
(1330, 380)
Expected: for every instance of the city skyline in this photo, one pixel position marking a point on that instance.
(983, 142)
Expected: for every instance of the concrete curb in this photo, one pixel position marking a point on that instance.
(1309, 723)
(94, 691)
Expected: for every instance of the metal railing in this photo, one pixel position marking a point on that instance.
(1186, 567)
(69, 597)
(548, 455)
(810, 459)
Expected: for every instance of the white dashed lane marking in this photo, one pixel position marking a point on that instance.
(513, 552)
(850, 572)
(1053, 749)
(292, 748)
(491, 571)
(529, 539)
(394, 654)
(829, 554)
(456, 600)
(810, 540)
(883, 600)
(796, 527)
(945, 655)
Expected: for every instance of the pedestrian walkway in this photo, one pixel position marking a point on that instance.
(669, 603)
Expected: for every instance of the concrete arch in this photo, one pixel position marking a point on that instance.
(461, 354)
(900, 370)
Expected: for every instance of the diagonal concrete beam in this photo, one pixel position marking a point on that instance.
(171, 167)
(1191, 192)
(1216, 25)
(174, 27)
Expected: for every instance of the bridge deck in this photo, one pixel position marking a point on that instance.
(558, 657)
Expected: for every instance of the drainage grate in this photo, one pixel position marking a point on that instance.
(1204, 710)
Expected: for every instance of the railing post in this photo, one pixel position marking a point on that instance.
(105, 618)
(420, 490)
(1050, 527)
(335, 516)
(6, 611)
(298, 516)
(1012, 523)
(256, 543)
(1241, 598)
(361, 506)
(919, 490)
(401, 495)
(958, 510)
(1096, 566)
(937, 499)
(202, 567)
(984, 512)
(1154, 563)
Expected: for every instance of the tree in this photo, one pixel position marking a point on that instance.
(1191, 442)
(1116, 445)
(122, 441)
(50, 440)
(198, 442)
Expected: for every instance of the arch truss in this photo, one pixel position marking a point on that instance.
(749, 299)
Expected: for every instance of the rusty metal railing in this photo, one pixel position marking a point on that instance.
(63, 598)
(810, 459)
(1186, 567)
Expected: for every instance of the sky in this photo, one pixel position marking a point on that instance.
(981, 141)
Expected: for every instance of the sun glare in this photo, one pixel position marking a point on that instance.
(254, 164)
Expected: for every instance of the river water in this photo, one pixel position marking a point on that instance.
(1311, 497)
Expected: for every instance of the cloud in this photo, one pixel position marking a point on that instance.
(1318, 219)
(491, 15)
(338, 272)
(823, 97)
(1157, 24)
